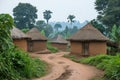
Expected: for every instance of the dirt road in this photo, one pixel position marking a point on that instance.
(65, 69)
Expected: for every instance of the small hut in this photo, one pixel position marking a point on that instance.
(59, 42)
(19, 38)
(88, 41)
(37, 42)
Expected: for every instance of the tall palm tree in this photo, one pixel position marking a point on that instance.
(70, 19)
(47, 15)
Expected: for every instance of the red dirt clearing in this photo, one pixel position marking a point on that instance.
(65, 69)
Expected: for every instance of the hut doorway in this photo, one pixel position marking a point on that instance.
(30, 44)
(85, 48)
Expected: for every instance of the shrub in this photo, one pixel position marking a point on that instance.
(51, 48)
(18, 65)
(99, 61)
(112, 71)
(15, 64)
(111, 65)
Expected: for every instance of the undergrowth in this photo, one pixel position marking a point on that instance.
(51, 48)
(17, 65)
(110, 64)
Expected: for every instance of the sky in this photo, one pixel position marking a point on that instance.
(82, 9)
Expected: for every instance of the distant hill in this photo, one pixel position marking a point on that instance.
(64, 24)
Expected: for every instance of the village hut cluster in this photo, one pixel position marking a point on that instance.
(59, 42)
(87, 41)
(32, 41)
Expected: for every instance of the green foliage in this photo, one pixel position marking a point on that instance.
(40, 24)
(115, 34)
(57, 26)
(18, 65)
(15, 64)
(6, 24)
(109, 12)
(99, 26)
(24, 15)
(47, 15)
(25, 30)
(48, 30)
(110, 64)
(98, 61)
(51, 48)
(112, 71)
(70, 18)
(69, 31)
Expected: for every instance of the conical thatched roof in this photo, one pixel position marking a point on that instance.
(59, 39)
(35, 34)
(88, 33)
(18, 34)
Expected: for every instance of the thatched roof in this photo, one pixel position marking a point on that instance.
(88, 33)
(18, 34)
(35, 34)
(59, 39)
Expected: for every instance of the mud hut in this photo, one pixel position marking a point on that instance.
(37, 42)
(59, 42)
(19, 38)
(88, 41)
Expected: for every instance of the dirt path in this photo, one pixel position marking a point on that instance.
(65, 69)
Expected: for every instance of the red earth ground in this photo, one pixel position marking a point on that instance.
(65, 69)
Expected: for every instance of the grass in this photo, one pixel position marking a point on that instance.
(110, 64)
(18, 65)
(51, 48)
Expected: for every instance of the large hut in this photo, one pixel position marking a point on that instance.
(59, 42)
(88, 41)
(37, 42)
(19, 38)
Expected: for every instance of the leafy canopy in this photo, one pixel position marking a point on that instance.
(6, 24)
(47, 15)
(109, 12)
(24, 15)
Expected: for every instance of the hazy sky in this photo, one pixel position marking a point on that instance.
(82, 9)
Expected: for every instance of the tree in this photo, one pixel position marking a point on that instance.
(40, 24)
(6, 24)
(70, 19)
(74, 30)
(24, 15)
(48, 30)
(99, 26)
(57, 26)
(47, 15)
(109, 12)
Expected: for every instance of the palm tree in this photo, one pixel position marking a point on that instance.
(70, 19)
(47, 15)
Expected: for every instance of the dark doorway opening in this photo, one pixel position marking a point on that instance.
(85, 47)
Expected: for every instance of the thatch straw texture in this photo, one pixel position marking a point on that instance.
(18, 34)
(58, 39)
(35, 34)
(88, 33)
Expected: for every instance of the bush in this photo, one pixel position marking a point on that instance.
(99, 61)
(51, 48)
(111, 65)
(17, 65)
(112, 71)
